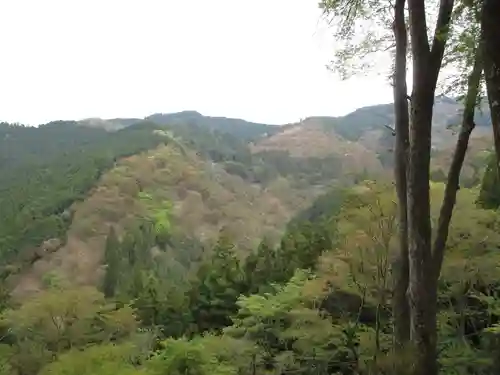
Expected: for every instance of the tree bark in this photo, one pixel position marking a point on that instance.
(490, 38)
(452, 183)
(400, 302)
(426, 66)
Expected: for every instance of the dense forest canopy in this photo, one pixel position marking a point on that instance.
(43, 170)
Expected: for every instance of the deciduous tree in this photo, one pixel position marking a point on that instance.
(413, 152)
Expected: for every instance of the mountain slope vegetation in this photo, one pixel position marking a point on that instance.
(43, 170)
(46, 171)
(329, 311)
(200, 199)
(76, 182)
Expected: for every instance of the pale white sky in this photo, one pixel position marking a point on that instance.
(261, 60)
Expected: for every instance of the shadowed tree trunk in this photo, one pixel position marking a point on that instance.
(426, 66)
(490, 38)
(452, 184)
(400, 302)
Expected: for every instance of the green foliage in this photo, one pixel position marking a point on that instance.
(293, 336)
(108, 359)
(229, 147)
(5, 354)
(159, 213)
(219, 283)
(44, 170)
(58, 320)
(266, 165)
(300, 248)
(316, 303)
(179, 357)
(326, 206)
(138, 272)
(112, 261)
(489, 196)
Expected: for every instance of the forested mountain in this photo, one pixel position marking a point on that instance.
(184, 244)
(44, 170)
(367, 133)
(64, 185)
(242, 129)
(178, 225)
(47, 170)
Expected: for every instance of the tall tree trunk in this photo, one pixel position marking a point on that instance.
(423, 327)
(490, 35)
(400, 302)
(452, 184)
(426, 66)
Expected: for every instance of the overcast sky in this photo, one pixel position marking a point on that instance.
(261, 60)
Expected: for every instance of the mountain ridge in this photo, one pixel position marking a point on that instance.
(440, 101)
(351, 127)
(230, 171)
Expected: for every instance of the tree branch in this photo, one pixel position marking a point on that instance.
(393, 131)
(452, 185)
(440, 37)
(418, 30)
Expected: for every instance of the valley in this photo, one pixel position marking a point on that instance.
(182, 226)
(216, 174)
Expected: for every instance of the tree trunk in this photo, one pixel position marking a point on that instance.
(452, 184)
(421, 292)
(400, 302)
(490, 35)
(423, 331)
(422, 309)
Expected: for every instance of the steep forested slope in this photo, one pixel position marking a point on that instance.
(199, 198)
(363, 139)
(43, 170)
(46, 170)
(309, 139)
(319, 302)
(178, 247)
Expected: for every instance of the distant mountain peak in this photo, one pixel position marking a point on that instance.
(187, 114)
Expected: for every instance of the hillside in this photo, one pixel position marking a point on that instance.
(319, 300)
(65, 184)
(309, 139)
(239, 128)
(44, 170)
(139, 245)
(204, 200)
(363, 140)
(358, 138)
(73, 183)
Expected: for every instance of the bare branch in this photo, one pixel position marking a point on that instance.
(393, 131)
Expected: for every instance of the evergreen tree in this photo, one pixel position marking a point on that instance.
(220, 282)
(112, 261)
